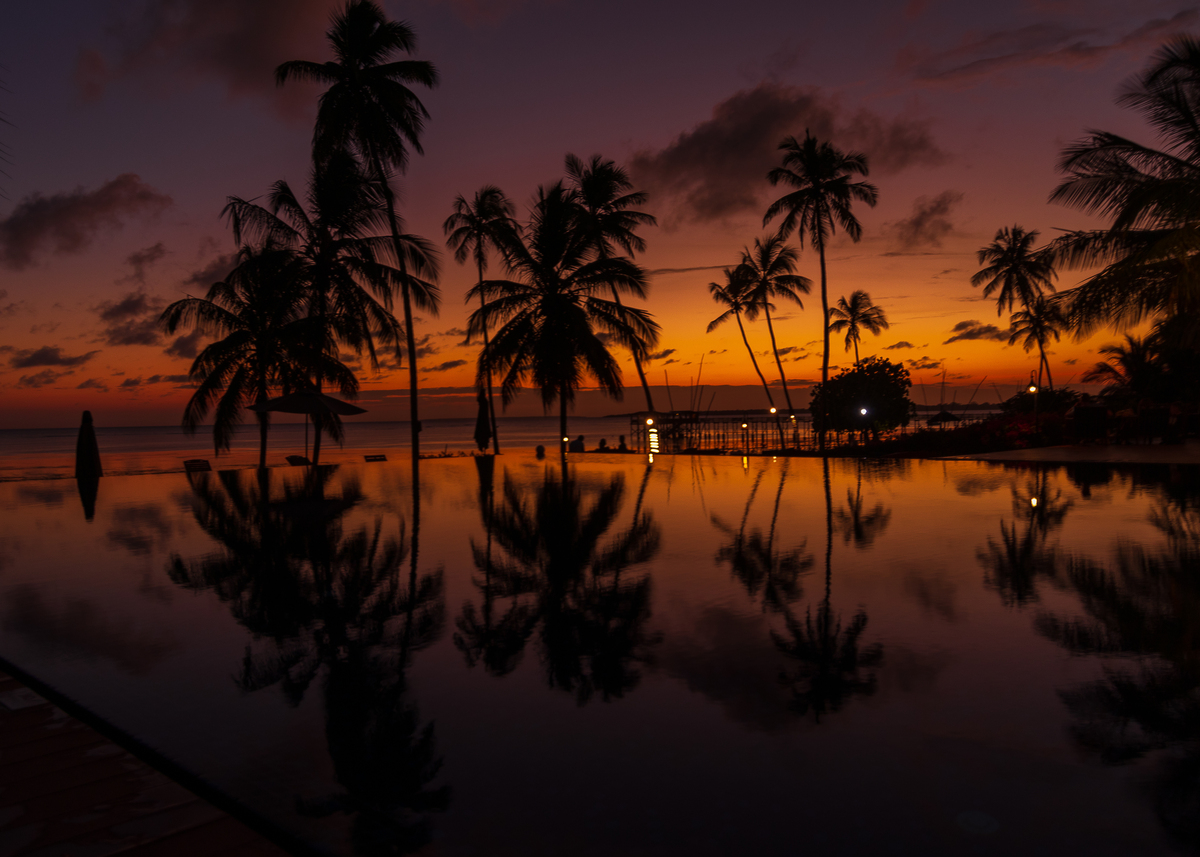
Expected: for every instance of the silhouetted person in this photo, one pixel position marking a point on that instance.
(540, 452)
(576, 445)
(621, 447)
(87, 466)
(603, 447)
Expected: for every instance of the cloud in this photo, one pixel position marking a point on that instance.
(722, 351)
(42, 379)
(1042, 44)
(901, 344)
(789, 349)
(929, 222)
(445, 367)
(130, 383)
(425, 347)
(70, 222)
(93, 384)
(47, 355)
(140, 260)
(454, 331)
(971, 330)
(214, 272)
(718, 167)
(132, 320)
(659, 355)
(186, 346)
(9, 309)
(924, 363)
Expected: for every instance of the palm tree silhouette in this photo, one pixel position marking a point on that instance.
(1023, 556)
(855, 315)
(769, 272)
(369, 109)
(474, 229)
(549, 319)
(266, 343)
(608, 214)
(734, 295)
(821, 175)
(1134, 365)
(347, 271)
(1035, 325)
(1013, 268)
(857, 527)
(1148, 252)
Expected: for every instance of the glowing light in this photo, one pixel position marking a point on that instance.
(772, 410)
(651, 457)
(744, 425)
(862, 411)
(649, 422)
(1032, 388)
(793, 416)
(566, 440)
(745, 463)
(1033, 502)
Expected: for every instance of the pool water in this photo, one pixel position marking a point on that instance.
(621, 657)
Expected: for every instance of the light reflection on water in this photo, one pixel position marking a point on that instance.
(700, 656)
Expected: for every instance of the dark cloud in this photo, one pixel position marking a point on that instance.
(454, 331)
(214, 272)
(45, 327)
(929, 222)
(447, 366)
(132, 320)
(901, 344)
(93, 384)
(8, 309)
(186, 346)
(1072, 361)
(970, 330)
(924, 363)
(686, 270)
(69, 222)
(789, 349)
(1043, 44)
(47, 355)
(670, 361)
(722, 351)
(141, 260)
(42, 379)
(130, 383)
(718, 167)
(659, 355)
(425, 347)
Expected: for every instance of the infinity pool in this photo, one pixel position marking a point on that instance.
(687, 656)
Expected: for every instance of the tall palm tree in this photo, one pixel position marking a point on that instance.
(475, 229)
(267, 343)
(1036, 325)
(855, 315)
(1012, 266)
(608, 214)
(1151, 196)
(369, 109)
(733, 295)
(347, 271)
(550, 317)
(769, 272)
(823, 194)
(1133, 365)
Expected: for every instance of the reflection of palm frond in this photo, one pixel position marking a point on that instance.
(829, 661)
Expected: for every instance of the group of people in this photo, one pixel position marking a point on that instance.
(577, 445)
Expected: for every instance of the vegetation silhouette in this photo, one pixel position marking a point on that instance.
(369, 110)
(820, 202)
(1036, 325)
(564, 571)
(333, 603)
(551, 319)
(856, 315)
(1142, 613)
(475, 229)
(831, 664)
(858, 527)
(770, 575)
(1013, 270)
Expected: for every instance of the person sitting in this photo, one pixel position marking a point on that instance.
(576, 445)
(621, 447)
(603, 447)
(540, 452)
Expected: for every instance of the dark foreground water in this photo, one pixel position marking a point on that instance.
(691, 656)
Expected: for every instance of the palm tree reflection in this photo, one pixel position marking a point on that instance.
(1023, 555)
(561, 571)
(861, 528)
(831, 664)
(324, 600)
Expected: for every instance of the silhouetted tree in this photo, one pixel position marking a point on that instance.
(1036, 325)
(856, 315)
(1014, 269)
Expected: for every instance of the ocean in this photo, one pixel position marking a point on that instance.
(50, 453)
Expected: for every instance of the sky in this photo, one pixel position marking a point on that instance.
(132, 122)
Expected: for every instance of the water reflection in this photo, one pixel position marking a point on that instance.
(1023, 555)
(559, 566)
(330, 601)
(859, 526)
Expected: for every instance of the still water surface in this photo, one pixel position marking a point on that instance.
(691, 656)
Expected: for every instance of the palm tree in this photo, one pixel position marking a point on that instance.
(1011, 265)
(347, 272)
(1134, 365)
(1149, 250)
(733, 295)
(474, 229)
(821, 175)
(608, 213)
(550, 317)
(769, 272)
(1037, 324)
(370, 110)
(266, 343)
(854, 315)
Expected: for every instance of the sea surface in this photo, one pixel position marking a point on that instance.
(50, 453)
(623, 656)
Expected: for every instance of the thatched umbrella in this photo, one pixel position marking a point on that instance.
(313, 404)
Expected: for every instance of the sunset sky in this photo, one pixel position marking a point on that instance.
(133, 121)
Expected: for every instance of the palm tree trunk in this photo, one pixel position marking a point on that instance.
(856, 360)
(637, 364)
(766, 386)
(825, 330)
(562, 422)
(775, 348)
(1046, 363)
(491, 401)
(262, 440)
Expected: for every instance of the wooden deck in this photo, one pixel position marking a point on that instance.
(67, 791)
